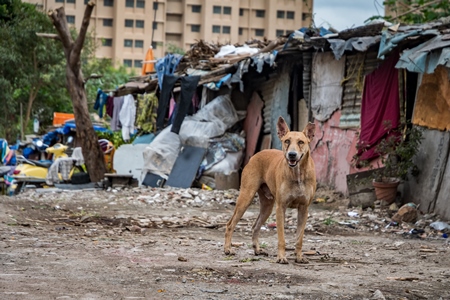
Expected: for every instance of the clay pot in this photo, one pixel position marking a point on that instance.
(386, 190)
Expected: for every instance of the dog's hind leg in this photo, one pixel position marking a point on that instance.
(266, 202)
(243, 202)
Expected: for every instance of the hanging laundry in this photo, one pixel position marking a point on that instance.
(110, 106)
(148, 104)
(188, 88)
(380, 104)
(127, 117)
(115, 120)
(100, 102)
(167, 66)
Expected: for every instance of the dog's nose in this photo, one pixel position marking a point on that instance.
(292, 155)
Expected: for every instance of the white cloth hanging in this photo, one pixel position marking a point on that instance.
(127, 116)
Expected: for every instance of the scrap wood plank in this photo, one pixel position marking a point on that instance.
(186, 165)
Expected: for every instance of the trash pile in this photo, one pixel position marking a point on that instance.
(179, 208)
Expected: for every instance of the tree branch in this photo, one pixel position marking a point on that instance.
(417, 8)
(76, 51)
(48, 35)
(58, 17)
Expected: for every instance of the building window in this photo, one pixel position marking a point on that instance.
(290, 15)
(138, 44)
(241, 12)
(127, 63)
(70, 19)
(138, 63)
(279, 32)
(195, 28)
(129, 3)
(108, 3)
(226, 29)
(260, 13)
(280, 14)
(86, 1)
(196, 8)
(155, 25)
(259, 32)
(217, 9)
(128, 43)
(216, 29)
(108, 22)
(129, 23)
(139, 23)
(59, 1)
(305, 16)
(141, 4)
(70, 1)
(240, 30)
(154, 45)
(107, 42)
(227, 10)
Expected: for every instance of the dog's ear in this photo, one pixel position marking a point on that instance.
(310, 130)
(282, 128)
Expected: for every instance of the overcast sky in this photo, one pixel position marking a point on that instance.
(344, 14)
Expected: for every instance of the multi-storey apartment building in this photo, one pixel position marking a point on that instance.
(124, 29)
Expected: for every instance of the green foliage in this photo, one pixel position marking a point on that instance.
(417, 11)
(171, 48)
(397, 152)
(329, 221)
(111, 78)
(32, 67)
(115, 138)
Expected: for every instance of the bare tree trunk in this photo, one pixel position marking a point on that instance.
(92, 153)
(31, 97)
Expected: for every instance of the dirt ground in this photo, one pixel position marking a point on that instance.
(168, 244)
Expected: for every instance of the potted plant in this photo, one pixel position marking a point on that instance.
(396, 152)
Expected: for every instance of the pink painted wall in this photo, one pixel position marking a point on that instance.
(332, 151)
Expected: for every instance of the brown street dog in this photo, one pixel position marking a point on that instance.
(286, 178)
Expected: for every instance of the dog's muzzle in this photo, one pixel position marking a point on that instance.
(293, 159)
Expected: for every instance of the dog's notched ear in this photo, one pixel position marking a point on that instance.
(282, 128)
(310, 130)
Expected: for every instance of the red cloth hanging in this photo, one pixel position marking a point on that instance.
(380, 103)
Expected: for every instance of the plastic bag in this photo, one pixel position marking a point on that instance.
(160, 155)
(212, 120)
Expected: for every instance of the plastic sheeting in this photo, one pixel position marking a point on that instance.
(427, 56)
(389, 41)
(326, 88)
(361, 44)
(211, 121)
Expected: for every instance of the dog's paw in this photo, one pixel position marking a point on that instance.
(282, 260)
(301, 260)
(261, 252)
(229, 252)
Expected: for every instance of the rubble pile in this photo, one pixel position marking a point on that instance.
(198, 56)
(176, 208)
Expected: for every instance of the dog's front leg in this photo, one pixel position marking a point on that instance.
(302, 216)
(280, 212)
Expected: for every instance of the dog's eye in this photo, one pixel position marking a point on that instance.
(287, 142)
(301, 142)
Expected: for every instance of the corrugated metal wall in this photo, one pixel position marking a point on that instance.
(307, 67)
(358, 65)
(266, 87)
